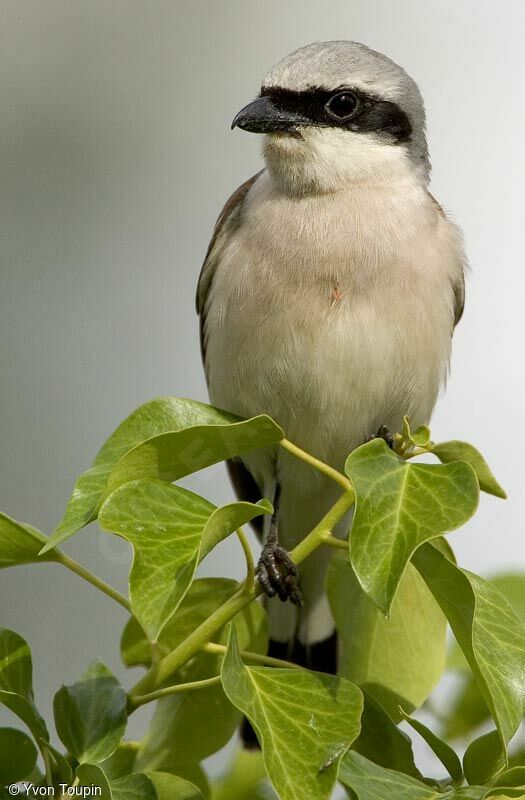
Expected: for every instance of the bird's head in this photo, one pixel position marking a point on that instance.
(335, 112)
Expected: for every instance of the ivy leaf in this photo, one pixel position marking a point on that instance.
(441, 749)
(90, 715)
(131, 787)
(167, 526)
(17, 756)
(512, 777)
(172, 787)
(180, 734)
(122, 761)
(368, 781)
(227, 519)
(21, 543)
(305, 721)
(488, 631)
(204, 596)
(200, 435)
(397, 660)
(16, 682)
(245, 778)
(399, 506)
(484, 758)
(448, 452)
(382, 742)
(173, 455)
(60, 766)
(468, 709)
(420, 437)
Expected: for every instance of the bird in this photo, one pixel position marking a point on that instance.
(328, 298)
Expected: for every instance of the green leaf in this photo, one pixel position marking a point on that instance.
(227, 519)
(122, 761)
(371, 782)
(382, 742)
(16, 682)
(60, 766)
(245, 779)
(512, 586)
(487, 630)
(172, 787)
(420, 437)
(90, 715)
(166, 526)
(17, 756)
(204, 596)
(511, 777)
(173, 455)
(180, 733)
(21, 543)
(200, 436)
(468, 708)
(399, 506)
(130, 787)
(305, 721)
(441, 749)
(397, 660)
(448, 452)
(484, 758)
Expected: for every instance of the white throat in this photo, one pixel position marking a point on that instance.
(325, 160)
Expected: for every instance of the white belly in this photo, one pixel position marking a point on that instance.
(334, 317)
(332, 366)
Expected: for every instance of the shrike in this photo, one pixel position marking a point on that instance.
(327, 299)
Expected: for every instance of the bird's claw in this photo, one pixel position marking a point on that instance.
(385, 434)
(278, 574)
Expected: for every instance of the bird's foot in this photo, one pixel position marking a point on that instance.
(385, 434)
(278, 574)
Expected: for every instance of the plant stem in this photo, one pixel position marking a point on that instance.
(88, 576)
(326, 469)
(134, 701)
(196, 640)
(250, 566)
(202, 635)
(325, 526)
(333, 541)
(47, 764)
(257, 658)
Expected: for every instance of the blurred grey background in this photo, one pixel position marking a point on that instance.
(115, 158)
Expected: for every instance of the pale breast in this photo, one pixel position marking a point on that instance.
(331, 320)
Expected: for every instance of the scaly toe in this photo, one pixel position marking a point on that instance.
(277, 574)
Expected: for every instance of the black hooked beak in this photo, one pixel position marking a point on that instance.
(264, 116)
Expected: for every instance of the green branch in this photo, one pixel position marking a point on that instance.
(88, 576)
(203, 634)
(256, 658)
(134, 701)
(333, 541)
(248, 555)
(320, 466)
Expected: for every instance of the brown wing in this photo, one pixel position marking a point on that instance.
(458, 287)
(459, 298)
(229, 219)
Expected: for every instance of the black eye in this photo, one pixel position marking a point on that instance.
(342, 105)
